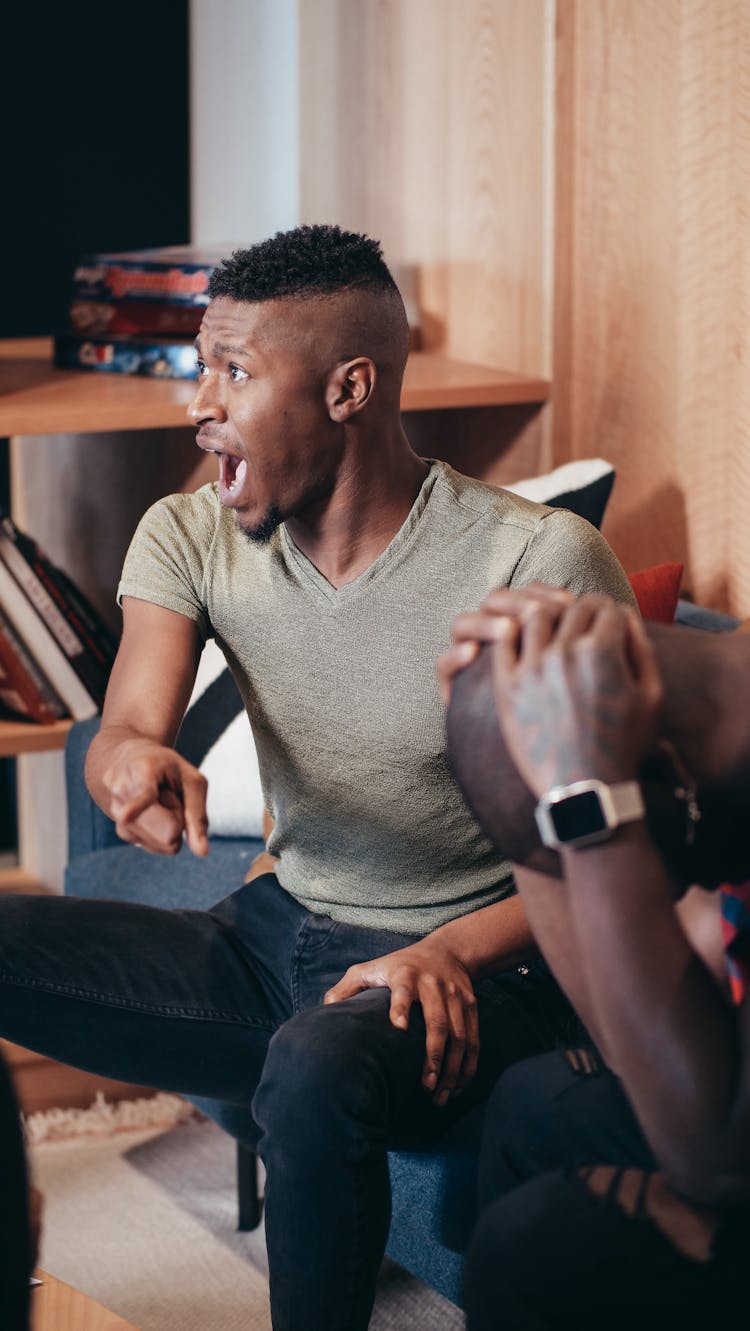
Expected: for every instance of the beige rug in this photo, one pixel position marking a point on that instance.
(143, 1220)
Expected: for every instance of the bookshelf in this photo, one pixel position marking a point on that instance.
(27, 737)
(37, 398)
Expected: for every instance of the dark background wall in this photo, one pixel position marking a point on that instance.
(95, 143)
(95, 116)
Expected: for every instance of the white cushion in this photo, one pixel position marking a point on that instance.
(235, 799)
(583, 486)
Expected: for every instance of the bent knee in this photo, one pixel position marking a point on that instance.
(336, 1059)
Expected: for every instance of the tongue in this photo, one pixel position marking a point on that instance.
(232, 473)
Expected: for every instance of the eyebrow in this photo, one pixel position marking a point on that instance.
(225, 349)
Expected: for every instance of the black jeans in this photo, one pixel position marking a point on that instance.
(225, 1006)
(578, 1230)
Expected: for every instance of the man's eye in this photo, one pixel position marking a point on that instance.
(237, 375)
(201, 368)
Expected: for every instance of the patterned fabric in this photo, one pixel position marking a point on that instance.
(735, 918)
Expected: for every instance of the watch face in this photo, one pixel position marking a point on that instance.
(578, 816)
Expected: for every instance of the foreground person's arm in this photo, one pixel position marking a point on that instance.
(577, 697)
(682, 1051)
(132, 771)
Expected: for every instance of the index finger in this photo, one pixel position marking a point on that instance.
(451, 662)
(517, 601)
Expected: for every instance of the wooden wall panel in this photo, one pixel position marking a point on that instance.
(652, 321)
(429, 124)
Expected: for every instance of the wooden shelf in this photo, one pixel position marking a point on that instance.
(27, 737)
(36, 398)
(15, 879)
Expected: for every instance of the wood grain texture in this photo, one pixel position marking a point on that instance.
(37, 399)
(652, 321)
(428, 124)
(56, 1306)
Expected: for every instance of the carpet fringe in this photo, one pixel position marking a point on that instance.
(105, 1118)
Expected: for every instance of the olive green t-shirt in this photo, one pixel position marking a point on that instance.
(340, 684)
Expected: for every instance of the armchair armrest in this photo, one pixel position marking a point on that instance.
(88, 828)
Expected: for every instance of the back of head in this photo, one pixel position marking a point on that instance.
(497, 795)
(327, 265)
(704, 724)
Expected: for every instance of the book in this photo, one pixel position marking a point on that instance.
(91, 660)
(94, 318)
(24, 688)
(92, 668)
(84, 619)
(176, 273)
(163, 358)
(44, 647)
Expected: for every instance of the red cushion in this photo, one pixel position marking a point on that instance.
(657, 591)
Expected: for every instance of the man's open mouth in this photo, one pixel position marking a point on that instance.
(232, 472)
(232, 475)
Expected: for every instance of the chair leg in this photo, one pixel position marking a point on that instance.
(248, 1202)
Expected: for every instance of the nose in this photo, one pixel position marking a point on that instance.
(206, 404)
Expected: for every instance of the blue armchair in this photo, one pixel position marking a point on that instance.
(433, 1192)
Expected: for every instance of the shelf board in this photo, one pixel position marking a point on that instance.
(13, 878)
(28, 737)
(36, 398)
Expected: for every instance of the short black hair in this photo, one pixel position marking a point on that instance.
(307, 261)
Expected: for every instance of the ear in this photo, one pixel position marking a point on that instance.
(349, 388)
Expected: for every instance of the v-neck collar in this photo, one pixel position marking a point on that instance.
(320, 584)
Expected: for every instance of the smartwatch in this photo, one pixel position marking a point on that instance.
(587, 811)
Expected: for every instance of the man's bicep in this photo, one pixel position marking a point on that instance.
(154, 672)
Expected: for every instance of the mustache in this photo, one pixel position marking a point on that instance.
(207, 435)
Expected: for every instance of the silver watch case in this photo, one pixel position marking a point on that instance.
(584, 812)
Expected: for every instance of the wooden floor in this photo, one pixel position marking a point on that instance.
(56, 1306)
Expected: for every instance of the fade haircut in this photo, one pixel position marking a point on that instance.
(307, 261)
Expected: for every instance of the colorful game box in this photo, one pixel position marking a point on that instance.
(163, 358)
(177, 273)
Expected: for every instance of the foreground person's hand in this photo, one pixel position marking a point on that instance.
(427, 973)
(577, 693)
(487, 624)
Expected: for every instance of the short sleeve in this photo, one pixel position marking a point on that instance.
(567, 551)
(167, 558)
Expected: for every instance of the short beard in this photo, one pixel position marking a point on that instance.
(263, 531)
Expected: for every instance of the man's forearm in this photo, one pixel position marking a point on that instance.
(670, 1030)
(491, 939)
